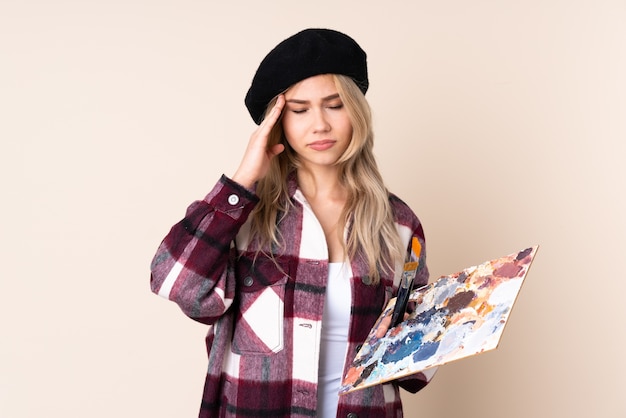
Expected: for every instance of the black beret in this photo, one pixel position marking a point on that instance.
(303, 55)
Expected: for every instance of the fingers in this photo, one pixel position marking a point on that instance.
(385, 324)
(383, 327)
(278, 108)
(256, 159)
(260, 136)
(275, 150)
(271, 119)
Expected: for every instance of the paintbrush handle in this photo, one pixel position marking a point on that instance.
(401, 303)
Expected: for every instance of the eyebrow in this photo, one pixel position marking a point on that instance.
(324, 99)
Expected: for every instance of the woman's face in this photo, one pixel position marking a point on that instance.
(315, 121)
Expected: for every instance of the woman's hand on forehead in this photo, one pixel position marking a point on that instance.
(256, 160)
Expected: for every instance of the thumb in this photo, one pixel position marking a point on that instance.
(275, 150)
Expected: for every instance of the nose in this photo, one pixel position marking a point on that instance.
(320, 121)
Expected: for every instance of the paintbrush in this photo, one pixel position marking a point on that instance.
(406, 282)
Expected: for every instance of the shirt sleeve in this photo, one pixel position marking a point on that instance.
(418, 381)
(192, 266)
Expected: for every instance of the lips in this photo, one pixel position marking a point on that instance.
(322, 145)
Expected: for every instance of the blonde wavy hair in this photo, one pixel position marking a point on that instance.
(367, 213)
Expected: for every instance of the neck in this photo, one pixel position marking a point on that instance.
(321, 184)
(327, 198)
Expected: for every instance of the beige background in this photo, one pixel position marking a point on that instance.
(502, 123)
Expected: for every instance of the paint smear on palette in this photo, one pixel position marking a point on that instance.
(456, 316)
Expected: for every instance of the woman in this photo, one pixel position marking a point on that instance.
(293, 258)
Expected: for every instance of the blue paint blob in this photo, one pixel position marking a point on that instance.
(423, 317)
(400, 349)
(426, 350)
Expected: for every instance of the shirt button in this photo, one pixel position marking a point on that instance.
(248, 281)
(233, 199)
(352, 415)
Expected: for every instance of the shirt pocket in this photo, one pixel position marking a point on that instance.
(260, 311)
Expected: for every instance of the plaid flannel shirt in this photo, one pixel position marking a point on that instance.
(265, 313)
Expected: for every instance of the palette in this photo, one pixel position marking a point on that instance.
(456, 316)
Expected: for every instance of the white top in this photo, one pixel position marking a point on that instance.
(335, 326)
